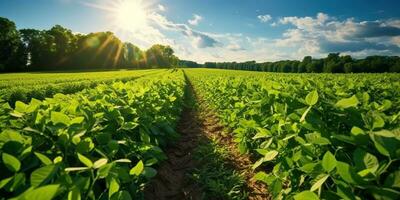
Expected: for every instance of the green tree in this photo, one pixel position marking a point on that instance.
(12, 50)
(161, 56)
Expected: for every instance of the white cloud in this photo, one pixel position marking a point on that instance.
(323, 34)
(264, 18)
(198, 39)
(196, 20)
(161, 8)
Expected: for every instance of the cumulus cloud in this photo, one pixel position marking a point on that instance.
(324, 34)
(264, 18)
(196, 20)
(161, 8)
(199, 39)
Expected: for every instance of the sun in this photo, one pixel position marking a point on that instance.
(130, 15)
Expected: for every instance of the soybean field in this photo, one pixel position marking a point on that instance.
(199, 134)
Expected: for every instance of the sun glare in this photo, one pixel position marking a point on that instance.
(130, 15)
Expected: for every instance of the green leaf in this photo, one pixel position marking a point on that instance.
(262, 133)
(138, 169)
(393, 180)
(5, 181)
(357, 131)
(348, 102)
(149, 172)
(105, 170)
(20, 107)
(306, 195)
(270, 155)
(77, 120)
(123, 160)
(385, 142)
(347, 173)
(312, 98)
(304, 115)
(328, 161)
(262, 176)
(365, 160)
(121, 195)
(384, 193)
(72, 169)
(42, 193)
(378, 121)
(85, 161)
(59, 118)
(11, 162)
(58, 159)
(319, 183)
(44, 159)
(74, 194)
(113, 188)
(99, 163)
(316, 138)
(42, 174)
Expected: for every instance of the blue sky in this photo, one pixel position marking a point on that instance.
(227, 30)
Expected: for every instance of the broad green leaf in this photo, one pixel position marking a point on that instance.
(11, 162)
(20, 107)
(5, 181)
(393, 180)
(104, 170)
(42, 174)
(357, 131)
(258, 163)
(348, 102)
(59, 118)
(149, 172)
(378, 121)
(262, 133)
(319, 183)
(384, 193)
(47, 192)
(306, 195)
(113, 188)
(77, 120)
(44, 159)
(316, 138)
(138, 169)
(261, 176)
(312, 98)
(99, 163)
(121, 195)
(74, 194)
(347, 173)
(270, 155)
(58, 159)
(85, 161)
(328, 161)
(384, 143)
(365, 160)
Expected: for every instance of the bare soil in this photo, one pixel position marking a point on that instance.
(173, 181)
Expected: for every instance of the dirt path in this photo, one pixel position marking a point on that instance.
(240, 162)
(173, 180)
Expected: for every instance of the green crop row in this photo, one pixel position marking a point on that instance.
(39, 86)
(100, 143)
(314, 136)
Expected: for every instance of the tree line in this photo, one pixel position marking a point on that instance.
(333, 63)
(61, 49)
